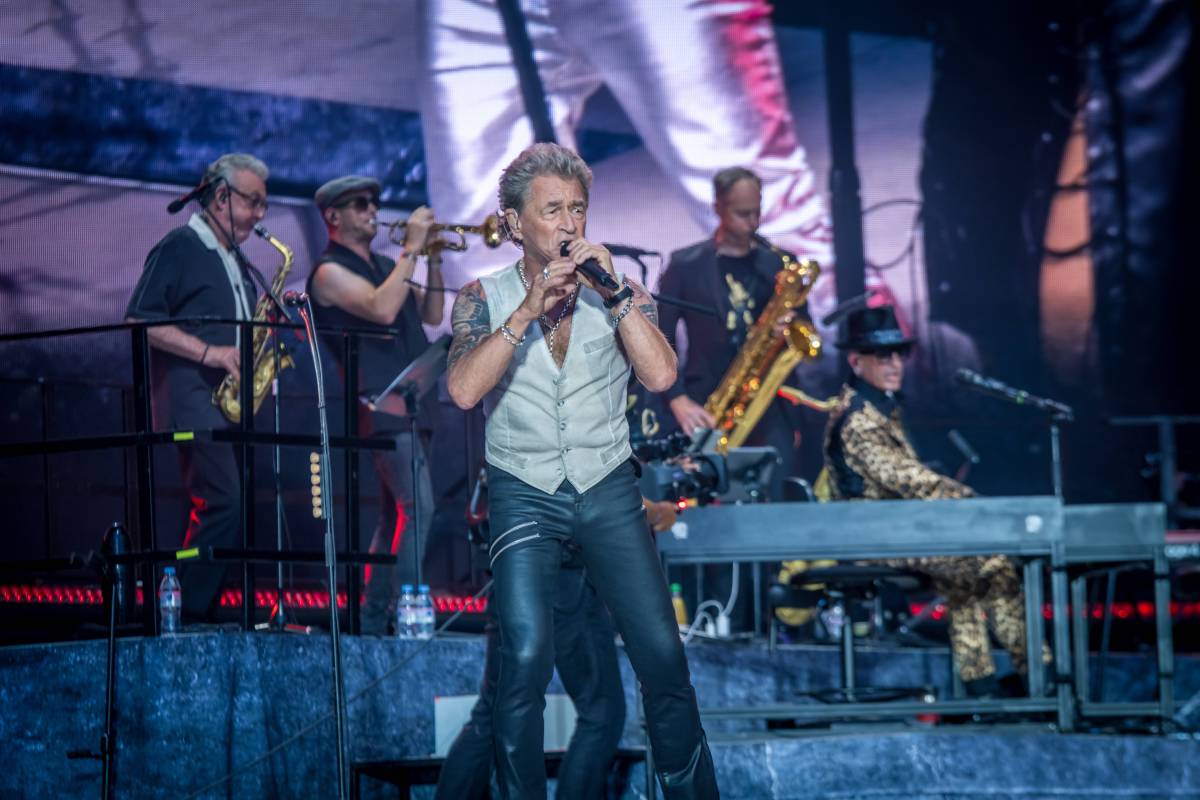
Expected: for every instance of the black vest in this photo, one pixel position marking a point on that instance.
(380, 357)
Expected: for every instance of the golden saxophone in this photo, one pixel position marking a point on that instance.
(766, 357)
(227, 396)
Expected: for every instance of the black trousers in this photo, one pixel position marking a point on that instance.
(607, 524)
(212, 478)
(395, 533)
(586, 658)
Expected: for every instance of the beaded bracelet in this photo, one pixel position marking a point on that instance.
(510, 336)
(625, 309)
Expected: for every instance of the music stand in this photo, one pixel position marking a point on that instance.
(399, 400)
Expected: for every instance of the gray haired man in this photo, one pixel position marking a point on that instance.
(550, 354)
(196, 271)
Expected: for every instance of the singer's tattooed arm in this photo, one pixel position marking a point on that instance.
(478, 356)
(469, 321)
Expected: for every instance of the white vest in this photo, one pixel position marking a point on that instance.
(546, 425)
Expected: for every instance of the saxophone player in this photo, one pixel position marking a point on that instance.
(356, 287)
(195, 270)
(734, 274)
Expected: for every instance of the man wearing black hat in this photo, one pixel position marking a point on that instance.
(868, 457)
(355, 287)
(197, 270)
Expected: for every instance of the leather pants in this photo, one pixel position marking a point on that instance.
(607, 524)
(586, 659)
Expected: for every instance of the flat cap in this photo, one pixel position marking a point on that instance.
(332, 191)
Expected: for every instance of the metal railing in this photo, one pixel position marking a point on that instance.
(139, 436)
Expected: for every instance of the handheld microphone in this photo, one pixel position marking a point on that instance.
(592, 269)
(293, 298)
(176, 205)
(629, 250)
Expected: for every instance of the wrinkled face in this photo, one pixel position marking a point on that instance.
(353, 216)
(883, 369)
(555, 212)
(244, 198)
(740, 210)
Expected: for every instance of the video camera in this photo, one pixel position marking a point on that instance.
(671, 471)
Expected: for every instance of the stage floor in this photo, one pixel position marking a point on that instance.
(193, 708)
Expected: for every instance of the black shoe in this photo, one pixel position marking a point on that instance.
(986, 686)
(1012, 685)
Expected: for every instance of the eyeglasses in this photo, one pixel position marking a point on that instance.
(360, 203)
(256, 202)
(886, 353)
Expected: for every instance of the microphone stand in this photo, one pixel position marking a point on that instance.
(1056, 414)
(278, 620)
(339, 692)
(1056, 452)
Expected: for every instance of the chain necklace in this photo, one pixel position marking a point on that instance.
(551, 328)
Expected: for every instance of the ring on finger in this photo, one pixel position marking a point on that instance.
(546, 273)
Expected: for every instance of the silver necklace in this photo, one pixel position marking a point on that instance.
(551, 328)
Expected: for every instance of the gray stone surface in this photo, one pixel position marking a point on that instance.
(192, 708)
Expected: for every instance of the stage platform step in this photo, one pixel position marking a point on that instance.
(955, 763)
(193, 708)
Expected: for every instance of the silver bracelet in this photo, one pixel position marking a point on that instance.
(625, 309)
(510, 336)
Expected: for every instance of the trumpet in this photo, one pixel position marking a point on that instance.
(489, 230)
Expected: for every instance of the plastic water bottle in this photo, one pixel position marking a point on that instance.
(835, 619)
(406, 613)
(681, 614)
(170, 602)
(424, 613)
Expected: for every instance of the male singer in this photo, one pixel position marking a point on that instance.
(552, 354)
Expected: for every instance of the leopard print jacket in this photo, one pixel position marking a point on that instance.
(868, 455)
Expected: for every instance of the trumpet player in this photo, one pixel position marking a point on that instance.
(193, 271)
(356, 287)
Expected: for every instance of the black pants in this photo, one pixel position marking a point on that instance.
(607, 523)
(396, 532)
(586, 658)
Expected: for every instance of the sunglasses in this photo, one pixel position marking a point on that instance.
(886, 353)
(359, 203)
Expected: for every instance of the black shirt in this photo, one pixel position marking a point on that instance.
(380, 357)
(748, 293)
(183, 277)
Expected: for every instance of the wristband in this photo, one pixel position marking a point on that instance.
(510, 336)
(624, 293)
(204, 355)
(615, 321)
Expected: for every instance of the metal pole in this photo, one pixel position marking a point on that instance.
(246, 346)
(142, 420)
(108, 739)
(279, 617)
(1166, 466)
(1056, 458)
(339, 690)
(845, 202)
(354, 572)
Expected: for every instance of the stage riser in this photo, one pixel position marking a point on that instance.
(192, 707)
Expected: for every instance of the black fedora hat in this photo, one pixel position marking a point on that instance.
(868, 329)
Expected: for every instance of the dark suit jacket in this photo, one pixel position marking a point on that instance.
(692, 275)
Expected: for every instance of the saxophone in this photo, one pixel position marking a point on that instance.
(766, 358)
(227, 396)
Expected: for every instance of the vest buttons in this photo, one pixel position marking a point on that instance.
(562, 403)
(562, 426)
